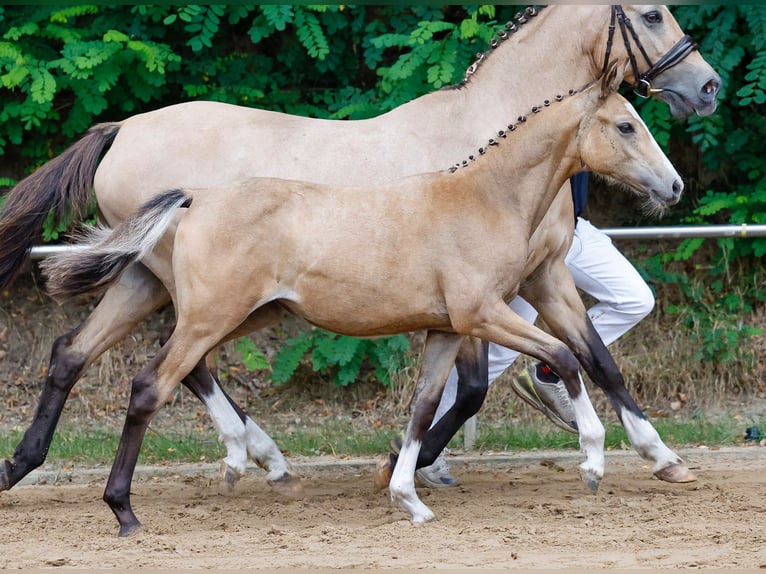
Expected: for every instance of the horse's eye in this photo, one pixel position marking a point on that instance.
(653, 17)
(626, 128)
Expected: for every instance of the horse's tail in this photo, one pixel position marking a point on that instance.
(63, 186)
(106, 253)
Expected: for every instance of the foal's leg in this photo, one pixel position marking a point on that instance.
(494, 321)
(560, 306)
(122, 307)
(188, 344)
(435, 363)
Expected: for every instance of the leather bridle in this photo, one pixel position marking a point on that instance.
(643, 82)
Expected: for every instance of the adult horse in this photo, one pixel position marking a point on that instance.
(442, 251)
(206, 143)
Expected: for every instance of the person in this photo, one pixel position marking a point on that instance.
(624, 299)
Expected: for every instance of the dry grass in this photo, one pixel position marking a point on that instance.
(656, 358)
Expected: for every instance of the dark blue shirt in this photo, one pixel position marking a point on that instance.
(579, 192)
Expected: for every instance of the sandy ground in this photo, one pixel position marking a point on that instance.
(528, 511)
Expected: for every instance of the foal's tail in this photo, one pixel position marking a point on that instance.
(106, 253)
(62, 186)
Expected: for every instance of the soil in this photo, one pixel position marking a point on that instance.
(528, 511)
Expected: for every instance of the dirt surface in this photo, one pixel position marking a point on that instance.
(527, 511)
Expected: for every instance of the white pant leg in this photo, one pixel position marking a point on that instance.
(500, 358)
(599, 269)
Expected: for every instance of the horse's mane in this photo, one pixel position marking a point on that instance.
(508, 31)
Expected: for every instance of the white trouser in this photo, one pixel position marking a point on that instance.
(600, 270)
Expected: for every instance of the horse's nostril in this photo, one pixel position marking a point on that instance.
(678, 188)
(711, 87)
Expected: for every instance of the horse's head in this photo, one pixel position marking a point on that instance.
(614, 142)
(662, 61)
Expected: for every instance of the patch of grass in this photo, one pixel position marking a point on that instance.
(341, 438)
(724, 431)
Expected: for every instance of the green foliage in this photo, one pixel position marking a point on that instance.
(343, 359)
(725, 169)
(252, 357)
(65, 68)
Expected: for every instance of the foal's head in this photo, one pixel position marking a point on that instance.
(615, 143)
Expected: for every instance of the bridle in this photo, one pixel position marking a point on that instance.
(643, 82)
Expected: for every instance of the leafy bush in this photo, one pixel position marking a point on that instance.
(723, 158)
(63, 69)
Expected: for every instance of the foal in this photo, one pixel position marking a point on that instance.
(441, 251)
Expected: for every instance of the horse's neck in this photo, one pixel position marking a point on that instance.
(521, 175)
(521, 72)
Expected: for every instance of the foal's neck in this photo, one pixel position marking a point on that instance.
(522, 172)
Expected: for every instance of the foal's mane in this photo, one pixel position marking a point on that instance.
(522, 119)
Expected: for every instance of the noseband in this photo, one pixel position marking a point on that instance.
(643, 82)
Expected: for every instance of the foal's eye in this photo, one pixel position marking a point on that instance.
(626, 128)
(653, 17)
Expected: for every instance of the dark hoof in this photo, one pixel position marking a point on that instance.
(5, 475)
(383, 471)
(288, 485)
(591, 480)
(678, 473)
(130, 529)
(229, 477)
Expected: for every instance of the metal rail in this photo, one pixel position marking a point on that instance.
(686, 231)
(744, 230)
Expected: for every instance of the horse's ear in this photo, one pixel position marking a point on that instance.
(612, 78)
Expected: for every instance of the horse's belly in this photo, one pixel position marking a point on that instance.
(372, 317)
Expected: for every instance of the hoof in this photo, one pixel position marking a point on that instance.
(130, 530)
(288, 485)
(5, 475)
(591, 480)
(677, 472)
(383, 471)
(229, 477)
(417, 521)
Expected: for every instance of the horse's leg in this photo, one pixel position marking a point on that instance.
(188, 344)
(435, 363)
(137, 294)
(560, 306)
(237, 431)
(494, 321)
(469, 383)
(476, 367)
(471, 380)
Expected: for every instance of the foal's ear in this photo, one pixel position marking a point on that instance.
(612, 79)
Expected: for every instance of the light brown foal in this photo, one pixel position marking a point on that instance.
(441, 251)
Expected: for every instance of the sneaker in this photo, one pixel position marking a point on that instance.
(437, 475)
(542, 389)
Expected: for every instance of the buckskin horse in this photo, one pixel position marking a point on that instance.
(206, 144)
(443, 251)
